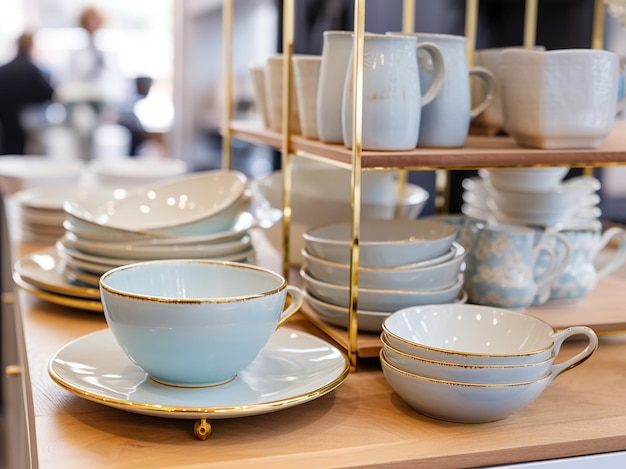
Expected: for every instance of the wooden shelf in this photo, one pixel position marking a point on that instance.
(480, 151)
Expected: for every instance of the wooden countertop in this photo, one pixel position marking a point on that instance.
(359, 424)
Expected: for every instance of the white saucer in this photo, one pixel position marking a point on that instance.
(295, 367)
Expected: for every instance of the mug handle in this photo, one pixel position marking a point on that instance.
(297, 298)
(439, 69)
(620, 256)
(490, 81)
(557, 265)
(572, 362)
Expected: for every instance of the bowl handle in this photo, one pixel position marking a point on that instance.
(562, 336)
(297, 298)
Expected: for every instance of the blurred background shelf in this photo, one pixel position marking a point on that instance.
(480, 151)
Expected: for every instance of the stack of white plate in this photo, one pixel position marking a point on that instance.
(199, 216)
(41, 214)
(402, 263)
(533, 197)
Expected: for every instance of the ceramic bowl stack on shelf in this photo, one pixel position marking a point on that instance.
(196, 216)
(532, 196)
(200, 215)
(402, 263)
(472, 363)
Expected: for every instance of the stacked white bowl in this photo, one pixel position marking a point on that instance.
(532, 196)
(401, 263)
(472, 363)
(198, 216)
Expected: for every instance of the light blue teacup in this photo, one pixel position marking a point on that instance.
(194, 323)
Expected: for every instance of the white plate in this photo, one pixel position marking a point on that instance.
(63, 300)
(45, 270)
(294, 367)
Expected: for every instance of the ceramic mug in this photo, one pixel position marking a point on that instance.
(583, 271)
(336, 50)
(501, 265)
(445, 121)
(392, 96)
(491, 119)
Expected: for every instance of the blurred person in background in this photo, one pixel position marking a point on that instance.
(94, 81)
(22, 84)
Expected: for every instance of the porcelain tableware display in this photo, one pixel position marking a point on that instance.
(559, 98)
(323, 196)
(383, 243)
(306, 70)
(274, 84)
(445, 121)
(416, 277)
(462, 372)
(462, 402)
(379, 299)
(336, 50)
(480, 335)
(192, 322)
(392, 97)
(501, 265)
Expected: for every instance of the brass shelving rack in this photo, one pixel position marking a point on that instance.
(479, 151)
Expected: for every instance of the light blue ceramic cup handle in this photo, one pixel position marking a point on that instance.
(580, 357)
(297, 298)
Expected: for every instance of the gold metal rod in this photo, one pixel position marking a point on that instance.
(530, 24)
(408, 16)
(408, 26)
(288, 38)
(597, 38)
(357, 146)
(471, 25)
(227, 25)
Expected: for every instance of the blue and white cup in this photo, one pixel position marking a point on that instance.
(501, 265)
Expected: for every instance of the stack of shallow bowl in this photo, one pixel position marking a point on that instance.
(200, 216)
(532, 196)
(402, 263)
(472, 363)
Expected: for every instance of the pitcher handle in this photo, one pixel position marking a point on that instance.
(439, 69)
(297, 298)
(620, 256)
(557, 265)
